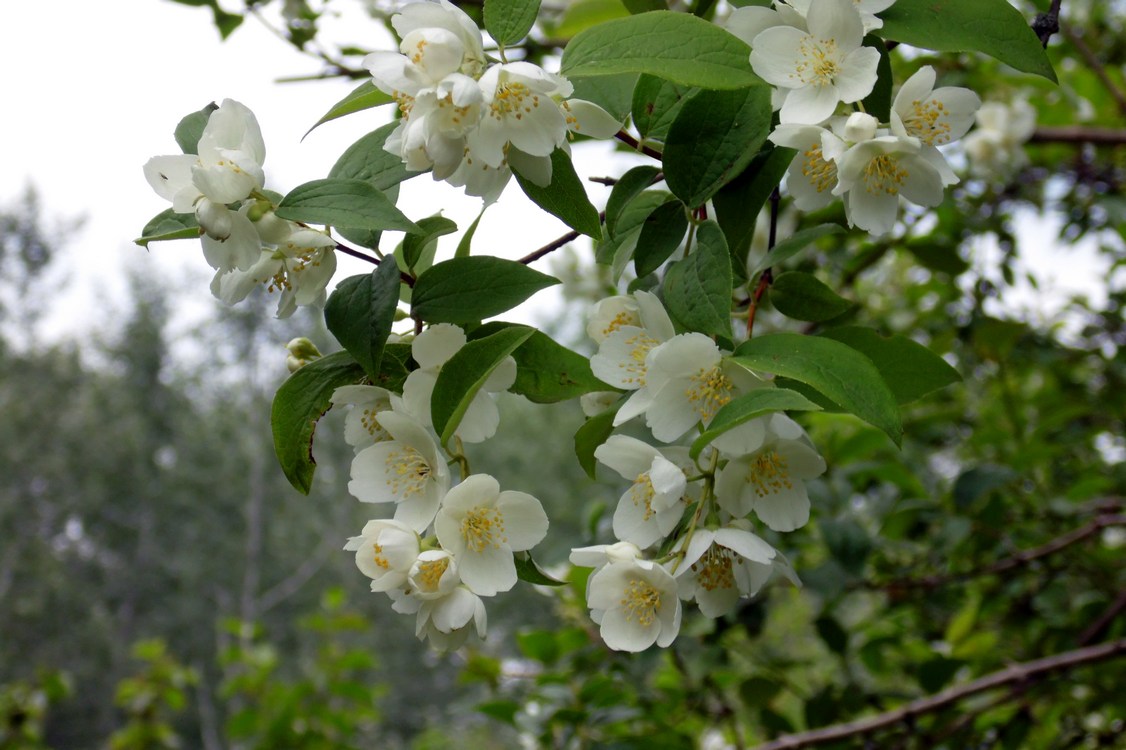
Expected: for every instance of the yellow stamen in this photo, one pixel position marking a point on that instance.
(483, 527)
(641, 602)
(407, 472)
(884, 175)
(769, 474)
(710, 391)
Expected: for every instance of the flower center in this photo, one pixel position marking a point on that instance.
(380, 560)
(624, 318)
(430, 573)
(641, 602)
(927, 122)
(769, 474)
(639, 345)
(514, 99)
(372, 425)
(884, 175)
(642, 494)
(407, 472)
(713, 570)
(483, 527)
(822, 174)
(709, 392)
(819, 64)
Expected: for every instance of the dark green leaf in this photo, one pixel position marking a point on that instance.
(713, 138)
(547, 372)
(661, 234)
(565, 197)
(910, 369)
(802, 296)
(463, 375)
(169, 225)
(617, 250)
(613, 93)
(697, 289)
(367, 160)
(644, 6)
(975, 482)
(302, 399)
(757, 403)
(628, 187)
(842, 374)
(674, 46)
(991, 26)
(503, 711)
(656, 103)
(937, 671)
(848, 543)
(190, 128)
(794, 244)
(364, 96)
(467, 290)
(509, 21)
(878, 103)
(832, 633)
(758, 691)
(343, 203)
(529, 572)
(416, 245)
(739, 202)
(463, 246)
(592, 434)
(360, 311)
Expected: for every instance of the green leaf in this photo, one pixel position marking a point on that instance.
(991, 26)
(848, 543)
(661, 234)
(757, 403)
(675, 46)
(835, 637)
(644, 6)
(565, 197)
(843, 375)
(360, 311)
(190, 128)
(656, 103)
(794, 244)
(343, 203)
(463, 375)
(613, 93)
(546, 371)
(364, 96)
(415, 246)
(169, 225)
(910, 369)
(302, 399)
(713, 138)
(367, 160)
(467, 290)
(738, 203)
(978, 481)
(697, 289)
(463, 246)
(509, 21)
(393, 367)
(529, 572)
(878, 103)
(584, 14)
(628, 187)
(592, 434)
(802, 296)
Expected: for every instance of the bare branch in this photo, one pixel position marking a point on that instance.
(1079, 134)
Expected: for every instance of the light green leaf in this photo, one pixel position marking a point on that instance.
(463, 247)
(565, 197)
(991, 26)
(302, 399)
(674, 46)
(364, 96)
(360, 311)
(738, 203)
(840, 373)
(547, 372)
(713, 138)
(661, 234)
(697, 289)
(910, 369)
(343, 203)
(418, 249)
(509, 21)
(802, 296)
(584, 14)
(191, 127)
(464, 374)
(467, 290)
(592, 434)
(367, 160)
(613, 93)
(757, 403)
(794, 244)
(169, 225)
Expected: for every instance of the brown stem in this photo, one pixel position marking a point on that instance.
(1048, 23)
(1079, 134)
(1013, 674)
(635, 144)
(555, 244)
(404, 277)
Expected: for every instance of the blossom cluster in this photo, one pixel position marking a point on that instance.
(812, 53)
(469, 121)
(445, 546)
(222, 185)
(698, 516)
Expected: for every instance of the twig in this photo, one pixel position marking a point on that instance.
(767, 277)
(1048, 23)
(1096, 66)
(608, 181)
(1095, 629)
(1024, 557)
(1013, 674)
(404, 277)
(555, 244)
(633, 143)
(1079, 134)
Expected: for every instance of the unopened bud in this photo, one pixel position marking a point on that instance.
(302, 351)
(214, 218)
(860, 127)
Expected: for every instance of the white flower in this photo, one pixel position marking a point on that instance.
(406, 470)
(361, 427)
(610, 314)
(625, 345)
(751, 20)
(600, 555)
(226, 169)
(812, 174)
(519, 110)
(721, 566)
(873, 175)
(867, 9)
(934, 116)
(446, 611)
(770, 483)
(431, 349)
(635, 603)
(386, 552)
(650, 509)
(996, 145)
(482, 526)
(445, 15)
(749, 436)
(299, 269)
(818, 69)
(596, 402)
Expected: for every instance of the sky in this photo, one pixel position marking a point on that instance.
(90, 98)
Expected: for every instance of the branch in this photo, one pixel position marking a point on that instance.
(1013, 674)
(1022, 558)
(633, 143)
(1097, 67)
(556, 243)
(1079, 134)
(1046, 24)
(404, 277)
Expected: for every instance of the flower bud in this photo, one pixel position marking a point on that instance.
(302, 351)
(860, 127)
(214, 218)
